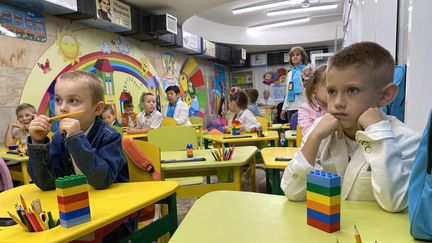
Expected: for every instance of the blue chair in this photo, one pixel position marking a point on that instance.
(294, 121)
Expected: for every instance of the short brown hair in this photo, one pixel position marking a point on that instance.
(146, 94)
(109, 109)
(239, 97)
(373, 60)
(25, 106)
(301, 51)
(252, 94)
(93, 81)
(127, 104)
(318, 76)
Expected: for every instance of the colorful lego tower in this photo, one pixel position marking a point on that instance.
(73, 201)
(323, 200)
(235, 127)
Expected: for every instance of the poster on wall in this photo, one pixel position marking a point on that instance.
(279, 91)
(125, 71)
(54, 7)
(114, 11)
(169, 63)
(192, 88)
(20, 23)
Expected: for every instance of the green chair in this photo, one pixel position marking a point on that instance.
(118, 129)
(175, 138)
(198, 124)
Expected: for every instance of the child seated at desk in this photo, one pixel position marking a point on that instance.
(108, 116)
(148, 119)
(17, 132)
(128, 118)
(373, 153)
(253, 97)
(84, 144)
(238, 102)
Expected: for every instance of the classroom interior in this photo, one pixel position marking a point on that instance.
(230, 193)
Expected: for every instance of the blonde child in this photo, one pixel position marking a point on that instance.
(109, 117)
(238, 103)
(128, 118)
(373, 153)
(18, 131)
(148, 119)
(316, 94)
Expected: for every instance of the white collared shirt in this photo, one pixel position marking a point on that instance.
(152, 120)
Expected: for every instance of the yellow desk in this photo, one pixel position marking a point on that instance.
(273, 167)
(21, 174)
(106, 206)
(279, 127)
(232, 139)
(241, 157)
(227, 216)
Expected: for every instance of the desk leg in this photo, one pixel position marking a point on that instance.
(276, 190)
(165, 224)
(268, 187)
(237, 178)
(206, 143)
(253, 174)
(24, 171)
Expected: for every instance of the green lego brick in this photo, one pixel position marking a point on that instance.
(70, 181)
(332, 191)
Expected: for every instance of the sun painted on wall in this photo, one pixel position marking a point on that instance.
(123, 68)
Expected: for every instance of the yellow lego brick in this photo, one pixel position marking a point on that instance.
(328, 201)
(72, 190)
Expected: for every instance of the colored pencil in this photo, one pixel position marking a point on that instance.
(357, 235)
(18, 221)
(31, 217)
(65, 115)
(38, 218)
(23, 202)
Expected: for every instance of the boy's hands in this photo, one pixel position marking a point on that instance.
(17, 125)
(327, 126)
(39, 129)
(70, 126)
(369, 117)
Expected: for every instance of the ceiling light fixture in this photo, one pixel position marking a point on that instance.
(302, 10)
(305, 4)
(278, 24)
(265, 6)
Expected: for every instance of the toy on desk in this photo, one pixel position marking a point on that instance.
(323, 200)
(17, 149)
(32, 219)
(235, 130)
(223, 154)
(73, 200)
(259, 132)
(189, 150)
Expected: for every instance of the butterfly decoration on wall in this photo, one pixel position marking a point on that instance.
(45, 66)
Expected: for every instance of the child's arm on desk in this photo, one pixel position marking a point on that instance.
(9, 139)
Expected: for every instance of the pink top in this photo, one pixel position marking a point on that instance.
(307, 115)
(5, 177)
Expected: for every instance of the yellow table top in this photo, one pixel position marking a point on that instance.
(15, 157)
(240, 157)
(269, 154)
(229, 216)
(106, 206)
(221, 138)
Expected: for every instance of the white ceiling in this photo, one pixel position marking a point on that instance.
(214, 20)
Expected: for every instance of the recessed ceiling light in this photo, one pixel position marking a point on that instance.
(305, 4)
(265, 6)
(278, 24)
(302, 10)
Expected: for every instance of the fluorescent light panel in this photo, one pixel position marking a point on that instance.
(278, 24)
(302, 10)
(265, 6)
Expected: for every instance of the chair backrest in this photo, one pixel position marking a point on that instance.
(173, 138)
(118, 129)
(263, 121)
(153, 152)
(168, 121)
(196, 120)
(293, 121)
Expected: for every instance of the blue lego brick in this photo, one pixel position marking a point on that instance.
(74, 214)
(323, 178)
(76, 221)
(328, 219)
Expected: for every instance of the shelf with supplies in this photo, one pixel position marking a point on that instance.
(242, 78)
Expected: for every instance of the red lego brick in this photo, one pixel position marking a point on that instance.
(72, 198)
(329, 228)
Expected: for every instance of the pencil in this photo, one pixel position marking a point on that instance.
(38, 218)
(65, 115)
(357, 235)
(18, 221)
(23, 202)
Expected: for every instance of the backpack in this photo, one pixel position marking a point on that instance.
(420, 188)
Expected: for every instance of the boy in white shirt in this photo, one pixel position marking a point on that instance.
(373, 153)
(148, 119)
